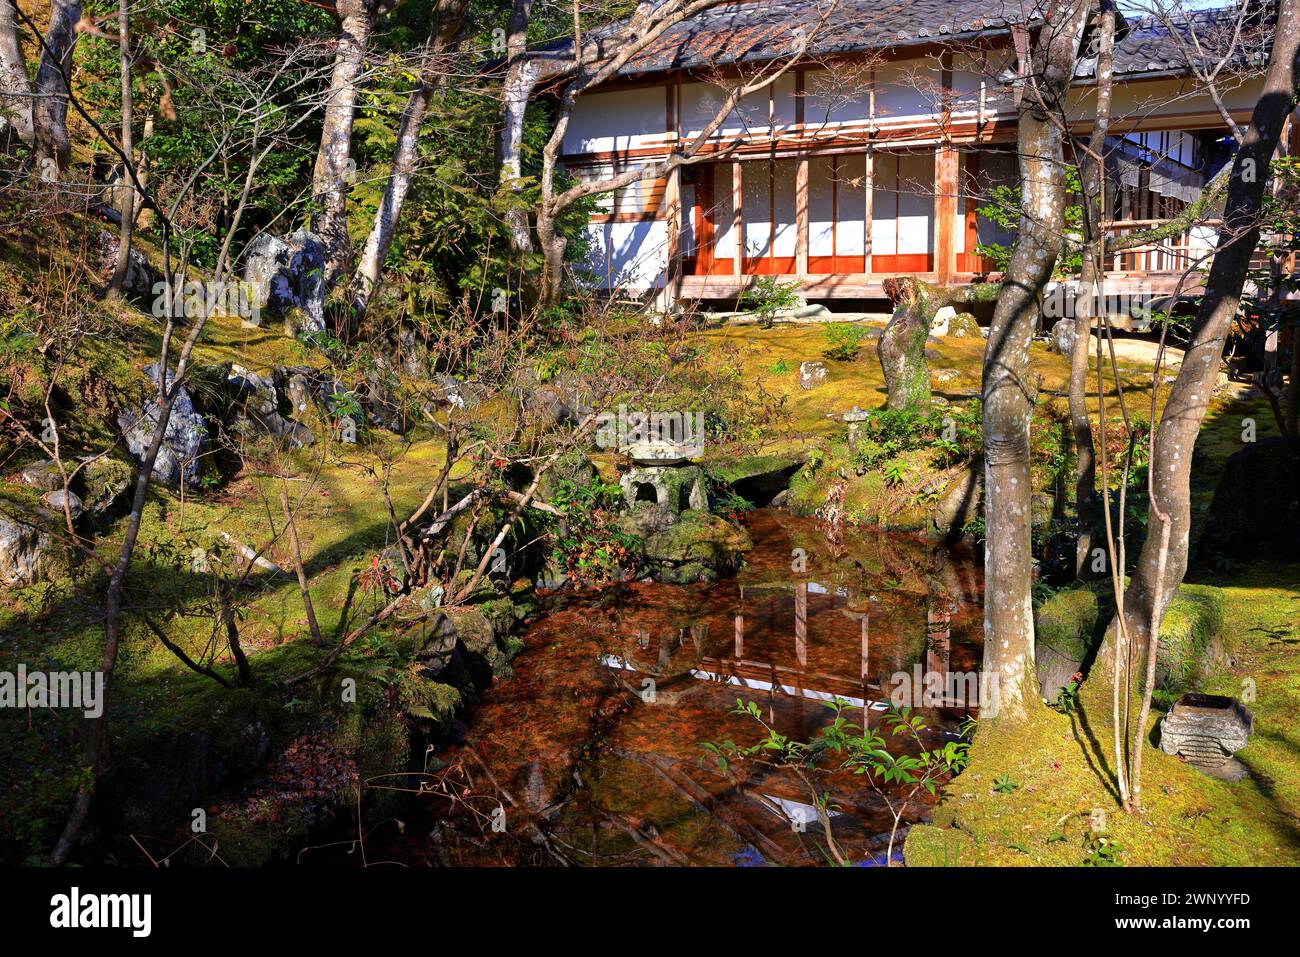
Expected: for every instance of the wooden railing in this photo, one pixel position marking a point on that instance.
(1189, 249)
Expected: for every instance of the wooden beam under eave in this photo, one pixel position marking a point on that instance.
(870, 210)
(673, 207)
(946, 166)
(801, 216)
(737, 199)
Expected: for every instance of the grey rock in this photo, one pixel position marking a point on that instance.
(256, 408)
(24, 547)
(55, 501)
(288, 278)
(455, 393)
(1062, 340)
(812, 374)
(1054, 670)
(43, 475)
(138, 284)
(961, 502)
(183, 442)
(383, 405)
(104, 482)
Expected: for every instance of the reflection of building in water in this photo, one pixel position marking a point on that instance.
(791, 668)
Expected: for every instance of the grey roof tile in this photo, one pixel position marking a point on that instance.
(758, 30)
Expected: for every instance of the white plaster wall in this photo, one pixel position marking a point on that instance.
(701, 102)
(629, 256)
(836, 98)
(1164, 102)
(617, 120)
(907, 88)
(821, 207)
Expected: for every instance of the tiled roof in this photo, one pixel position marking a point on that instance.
(758, 30)
(766, 29)
(1150, 47)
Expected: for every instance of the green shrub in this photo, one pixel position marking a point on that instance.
(843, 340)
(767, 297)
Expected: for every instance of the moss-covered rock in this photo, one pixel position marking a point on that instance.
(699, 547)
(964, 326)
(1067, 622)
(31, 538)
(1190, 638)
(104, 482)
(756, 478)
(1065, 630)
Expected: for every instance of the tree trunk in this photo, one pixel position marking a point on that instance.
(1007, 391)
(521, 76)
(127, 191)
(53, 80)
(406, 154)
(1163, 560)
(902, 345)
(15, 85)
(1087, 506)
(333, 159)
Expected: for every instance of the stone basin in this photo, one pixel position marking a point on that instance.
(1206, 730)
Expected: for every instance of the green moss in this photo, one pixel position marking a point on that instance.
(1067, 623)
(1063, 765)
(739, 468)
(1191, 624)
(105, 480)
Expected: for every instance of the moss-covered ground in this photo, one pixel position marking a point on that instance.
(343, 521)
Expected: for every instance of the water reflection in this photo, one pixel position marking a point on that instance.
(593, 749)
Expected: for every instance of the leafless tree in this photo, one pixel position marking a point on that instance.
(1163, 559)
(15, 85)
(446, 24)
(1008, 390)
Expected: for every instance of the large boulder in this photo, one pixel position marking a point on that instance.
(43, 475)
(179, 457)
(757, 478)
(1062, 342)
(104, 481)
(812, 374)
(382, 399)
(255, 409)
(960, 504)
(23, 550)
(288, 279)
(961, 325)
(1064, 627)
(30, 549)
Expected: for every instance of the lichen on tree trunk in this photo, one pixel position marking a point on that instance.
(1008, 388)
(902, 345)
